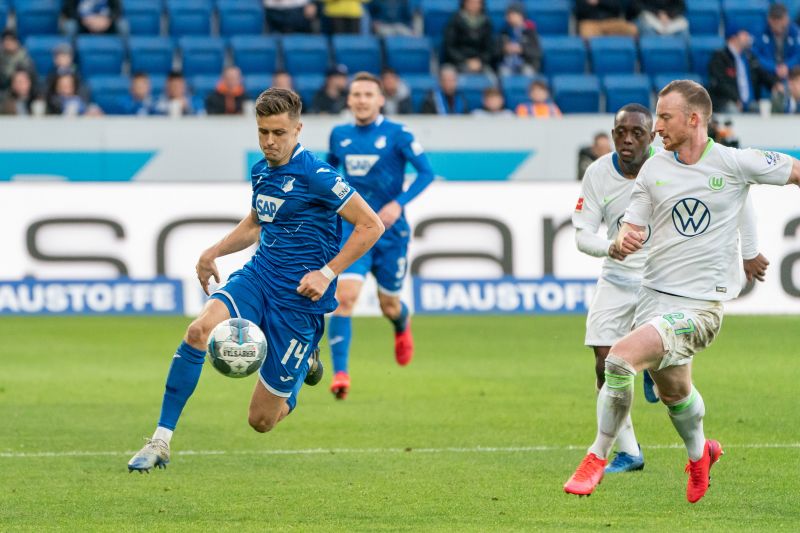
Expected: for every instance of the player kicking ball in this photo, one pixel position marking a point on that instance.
(373, 152)
(287, 286)
(692, 196)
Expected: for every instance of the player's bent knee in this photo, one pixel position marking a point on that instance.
(197, 333)
(391, 309)
(261, 423)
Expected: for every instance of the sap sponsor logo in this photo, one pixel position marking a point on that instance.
(117, 296)
(360, 164)
(267, 207)
(340, 188)
(504, 295)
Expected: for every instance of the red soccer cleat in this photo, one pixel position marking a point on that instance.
(699, 471)
(404, 346)
(587, 476)
(341, 385)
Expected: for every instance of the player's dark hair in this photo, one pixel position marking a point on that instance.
(637, 108)
(276, 101)
(366, 76)
(697, 98)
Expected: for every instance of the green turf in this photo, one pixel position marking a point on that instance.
(407, 437)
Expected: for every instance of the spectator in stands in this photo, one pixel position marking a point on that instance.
(176, 100)
(331, 98)
(64, 98)
(446, 99)
(468, 40)
(91, 16)
(291, 16)
(396, 94)
(661, 17)
(19, 97)
(522, 53)
(601, 145)
(602, 17)
(493, 103)
(778, 46)
(140, 98)
(229, 96)
(540, 105)
(13, 57)
(735, 76)
(786, 99)
(391, 17)
(282, 80)
(343, 16)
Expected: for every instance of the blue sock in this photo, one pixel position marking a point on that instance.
(401, 322)
(184, 373)
(340, 332)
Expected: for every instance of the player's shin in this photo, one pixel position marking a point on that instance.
(613, 404)
(339, 334)
(184, 373)
(687, 417)
(400, 322)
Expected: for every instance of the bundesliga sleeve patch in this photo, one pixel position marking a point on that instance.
(340, 188)
(773, 158)
(579, 205)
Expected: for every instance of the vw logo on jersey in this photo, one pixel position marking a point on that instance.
(380, 142)
(647, 231)
(691, 217)
(267, 207)
(360, 164)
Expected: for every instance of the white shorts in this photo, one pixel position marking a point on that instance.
(610, 313)
(686, 326)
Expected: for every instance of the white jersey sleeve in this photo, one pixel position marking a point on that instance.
(748, 232)
(588, 212)
(640, 210)
(758, 166)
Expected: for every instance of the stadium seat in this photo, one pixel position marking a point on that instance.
(158, 82)
(144, 17)
(3, 16)
(306, 85)
(202, 84)
(472, 87)
(109, 92)
(99, 54)
(661, 80)
(254, 84)
(37, 17)
(551, 16)
(663, 54)
(612, 55)
(202, 55)
(255, 54)
(357, 53)
(40, 48)
(794, 8)
(577, 93)
(187, 17)
(563, 55)
(701, 49)
(408, 55)
(704, 17)
(152, 55)
(515, 88)
(240, 18)
(420, 85)
(750, 15)
(435, 16)
(305, 54)
(621, 89)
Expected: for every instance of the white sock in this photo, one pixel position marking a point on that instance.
(687, 417)
(163, 434)
(613, 404)
(626, 438)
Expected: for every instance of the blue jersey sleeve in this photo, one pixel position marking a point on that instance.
(333, 159)
(328, 188)
(414, 154)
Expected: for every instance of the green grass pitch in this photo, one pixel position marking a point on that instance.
(478, 434)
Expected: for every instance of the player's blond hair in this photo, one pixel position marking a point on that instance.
(276, 101)
(696, 96)
(367, 76)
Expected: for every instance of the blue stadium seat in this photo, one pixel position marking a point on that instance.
(202, 55)
(794, 8)
(202, 84)
(110, 92)
(701, 49)
(750, 15)
(40, 48)
(152, 55)
(305, 54)
(3, 16)
(240, 18)
(187, 17)
(612, 55)
(515, 88)
(551, 16)
(621, 89)
(419, 84)
(704, 17)
(663, 54)
(255, 54)
(158, 82)
(563, 55)
(661, 80)
(408, 55)
(435, 16)
(306, 85)
(577, 93)
(357, 52)
(144, 17)
(254, 84)
(100, 54)
(472, 87)
(37, 17)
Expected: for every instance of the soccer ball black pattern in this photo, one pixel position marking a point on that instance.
(236, 348)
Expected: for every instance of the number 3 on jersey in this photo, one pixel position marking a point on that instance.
(297, 350)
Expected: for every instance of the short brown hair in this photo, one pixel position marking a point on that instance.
(276, 101)
(366, 76)
(697, 98)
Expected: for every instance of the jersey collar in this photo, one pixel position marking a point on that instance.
(374, 124)
(709, 145)
(615, 160)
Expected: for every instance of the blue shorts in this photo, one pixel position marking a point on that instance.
(387, 260)
(292, 336)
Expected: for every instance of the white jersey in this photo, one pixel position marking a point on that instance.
(694, 213)
(605, 194)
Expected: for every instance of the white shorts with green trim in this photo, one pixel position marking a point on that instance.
(611, 313)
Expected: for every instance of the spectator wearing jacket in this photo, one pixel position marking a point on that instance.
(519, 41)
(468, 38)
(778, 46)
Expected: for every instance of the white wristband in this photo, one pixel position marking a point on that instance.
(328, 273)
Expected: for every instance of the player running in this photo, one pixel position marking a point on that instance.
(692, 198)
(374, 152)
(287, 286)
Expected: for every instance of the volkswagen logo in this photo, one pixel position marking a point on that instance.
(691, 217)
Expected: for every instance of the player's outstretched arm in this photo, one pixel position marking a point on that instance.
(754, 263)
(630, 239)
(246, 233)
(794, 177)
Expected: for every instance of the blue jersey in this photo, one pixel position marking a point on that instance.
(297, 205)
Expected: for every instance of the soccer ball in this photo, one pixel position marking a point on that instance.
(236, 347)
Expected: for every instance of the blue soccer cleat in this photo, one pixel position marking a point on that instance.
(650, 391)
(625, 462)
(155, 453)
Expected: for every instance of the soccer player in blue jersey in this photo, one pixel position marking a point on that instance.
(374, 152)
(290, 282)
